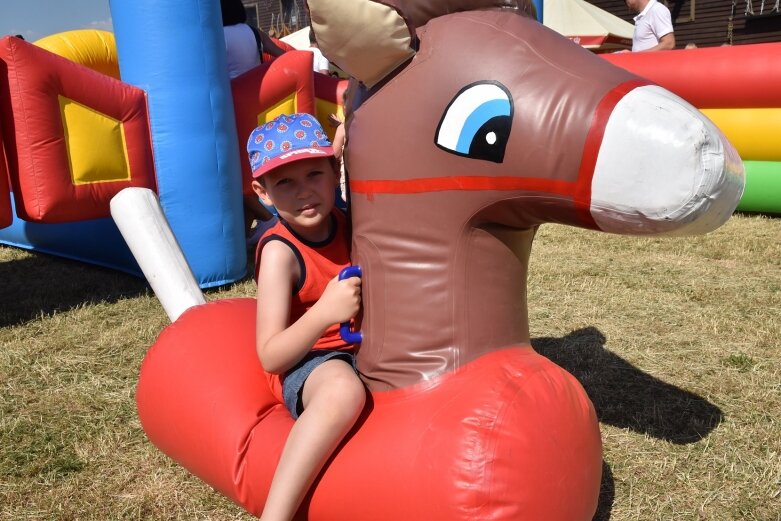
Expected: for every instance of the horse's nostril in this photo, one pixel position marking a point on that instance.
(660, 165)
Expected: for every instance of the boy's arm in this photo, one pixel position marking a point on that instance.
(280, 346)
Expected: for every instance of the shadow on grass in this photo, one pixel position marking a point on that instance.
(41, 285)
(625, 396)
(607, 493)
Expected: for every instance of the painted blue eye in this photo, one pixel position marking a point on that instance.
(477, 122)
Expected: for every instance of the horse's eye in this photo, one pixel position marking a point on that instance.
(477, 122)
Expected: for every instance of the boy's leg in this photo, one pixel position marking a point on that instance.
(333, 398)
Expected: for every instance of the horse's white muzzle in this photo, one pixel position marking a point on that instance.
(663, 168)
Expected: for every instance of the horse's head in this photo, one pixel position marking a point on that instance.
(476, 122)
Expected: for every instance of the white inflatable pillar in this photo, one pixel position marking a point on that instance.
(140, 219)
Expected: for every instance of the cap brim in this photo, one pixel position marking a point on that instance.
(293, 155)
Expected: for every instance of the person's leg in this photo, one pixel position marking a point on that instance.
(333, 398)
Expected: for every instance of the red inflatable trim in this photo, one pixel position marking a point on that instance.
(282, 45)
(329, 88)
(33, 78)
(739, 76)
(509, 436)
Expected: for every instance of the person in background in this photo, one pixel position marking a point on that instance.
(653, 26)
(339, 142)
(320, 63)
(244, 44)
(244, 48)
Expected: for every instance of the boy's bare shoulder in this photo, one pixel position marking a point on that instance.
(277, 256)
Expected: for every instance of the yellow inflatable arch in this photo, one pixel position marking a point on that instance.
(89, 47)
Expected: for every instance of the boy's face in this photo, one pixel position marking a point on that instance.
(302, 191)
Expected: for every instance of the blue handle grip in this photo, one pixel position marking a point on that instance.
(352, 337)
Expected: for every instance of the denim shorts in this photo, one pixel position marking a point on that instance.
(293, 381)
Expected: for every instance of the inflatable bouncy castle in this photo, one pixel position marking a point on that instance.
(453, 160)
(74, 134)
(740, 93)
(67, 216)
(72, 137)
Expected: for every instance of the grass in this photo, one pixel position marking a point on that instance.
(675, 340)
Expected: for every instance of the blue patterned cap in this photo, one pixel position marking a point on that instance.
(285, 139)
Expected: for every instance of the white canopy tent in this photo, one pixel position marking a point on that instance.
(587, 25)
(299, 39)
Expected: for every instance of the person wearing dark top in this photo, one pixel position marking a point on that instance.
(244, 48)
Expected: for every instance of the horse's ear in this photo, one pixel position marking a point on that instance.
(364, 38)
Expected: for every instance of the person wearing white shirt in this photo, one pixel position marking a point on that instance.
(320, 62)
(653, 26)
(244, 49)
(244, 45)
(241, 49)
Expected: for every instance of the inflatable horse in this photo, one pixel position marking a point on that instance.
(473, 125)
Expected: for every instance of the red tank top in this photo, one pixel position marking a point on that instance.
(319, 263)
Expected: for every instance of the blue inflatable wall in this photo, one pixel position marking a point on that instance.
(538, 6)
(175, 51)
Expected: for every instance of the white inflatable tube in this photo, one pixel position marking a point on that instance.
(140, 219)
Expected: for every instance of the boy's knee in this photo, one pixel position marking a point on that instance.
(348, 390)
(338, 387)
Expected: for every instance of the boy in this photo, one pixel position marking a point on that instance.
(301, 302)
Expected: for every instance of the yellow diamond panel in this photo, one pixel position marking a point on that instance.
(287, 106)
(97, 152)
(323, 109)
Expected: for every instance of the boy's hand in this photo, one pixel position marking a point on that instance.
(338, 144)
(341, 299)
(334, 120)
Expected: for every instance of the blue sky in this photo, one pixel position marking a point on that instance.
(35, 19)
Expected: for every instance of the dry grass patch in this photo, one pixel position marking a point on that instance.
(71, 446)
(675, 340)
(677, 343)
